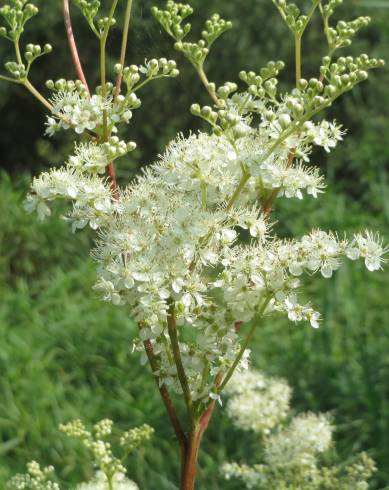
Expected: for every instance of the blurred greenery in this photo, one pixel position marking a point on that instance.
(63, 354)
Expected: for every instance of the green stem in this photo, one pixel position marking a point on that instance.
(176, 424)
(123, 51)
(297, 42)
(298, 38)
(205, 81)
(172, 330)
(37, 95)
(9, 79)
(146, 81)
(110, 483)
(205, 375)
(310, 14)
(17, 52)
(238, 190)
(245, 344)
(103, 68)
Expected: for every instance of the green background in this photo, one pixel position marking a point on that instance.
(63, 354)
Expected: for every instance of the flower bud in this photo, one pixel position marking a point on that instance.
(195, 109)
(284, 121)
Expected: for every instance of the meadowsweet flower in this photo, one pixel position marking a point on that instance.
(369, 246)
(292, 180)
(299, 444)
(252, 477)
(288, 451)
(325, 134)
(257, 402)
(76, 109)
(91, 196)
(298, 313)
(100, 482)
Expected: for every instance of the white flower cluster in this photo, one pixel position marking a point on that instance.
(100, 482)
(187, 164)
(91, 195)
(299, 444)
(252, 477)
(75, 108)
(93, 158)
(256, 402)
(168, 249)
(291, 454)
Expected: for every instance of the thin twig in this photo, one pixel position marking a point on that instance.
(245, 344)
(73, 45)
(123, 51)
(103, 75)
(205, 81)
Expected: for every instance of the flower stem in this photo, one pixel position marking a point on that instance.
(205, 81)
(30, 87)
(245, 344)
(238, 190)
(110, 483)
(182, 440)
(297, 43)
(127, 18)
(172, 329)
(73, 45)
(103, 76)
(190, 468)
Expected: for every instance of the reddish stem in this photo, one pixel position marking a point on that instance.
(112, 175)
(73, 45)
(181, 437)
(191, 460)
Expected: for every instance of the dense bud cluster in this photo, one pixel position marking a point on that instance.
(98, 442)
(90, 9)
(133, 438)
(36, 478)
(172, 18)
(152, 70)
(341, 35)
(295, 20)
(111, 472)
(16, 15)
